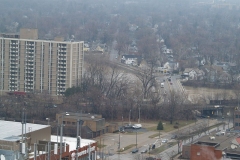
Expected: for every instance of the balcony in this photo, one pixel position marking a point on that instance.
(13, 67)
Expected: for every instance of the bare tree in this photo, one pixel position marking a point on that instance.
(147, 79)
(174, 105)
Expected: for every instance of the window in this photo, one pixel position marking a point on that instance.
(73, 123)
(236, 116)
(236, 124)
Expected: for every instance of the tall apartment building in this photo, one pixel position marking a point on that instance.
(28, 64)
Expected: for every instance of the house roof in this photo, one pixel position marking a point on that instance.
(188, 70)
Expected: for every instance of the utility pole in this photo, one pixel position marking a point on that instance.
(136, 139)
(78, 139)
(61, 137)
(122, 120)
(139, 114)
(119, 142)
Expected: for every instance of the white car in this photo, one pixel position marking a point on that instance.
(137, 126)
(164, 140)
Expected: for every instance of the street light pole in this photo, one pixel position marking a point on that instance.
(136, 139)
(129, 117)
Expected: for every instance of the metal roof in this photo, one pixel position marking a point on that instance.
(72, 142)
(12, 131)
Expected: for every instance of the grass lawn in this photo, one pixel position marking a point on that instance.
(132, 133)
(155, 135)
(100, 146)
(167, 127)
(162, 148)
(127, 147)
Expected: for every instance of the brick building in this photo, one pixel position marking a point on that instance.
(215, 146)
(92, 125)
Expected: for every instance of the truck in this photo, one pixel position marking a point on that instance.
(162, 85)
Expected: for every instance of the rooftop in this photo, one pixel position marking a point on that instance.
(72, 142)
(13, 130)
(221, 142)
(81, 116)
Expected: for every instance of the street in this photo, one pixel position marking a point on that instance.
(143, 141)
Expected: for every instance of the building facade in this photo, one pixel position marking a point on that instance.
(28, 64)
(92, 125)
(236, 120)
(35, 142)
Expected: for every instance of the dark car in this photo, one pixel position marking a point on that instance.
(174, 137)
(128, 126)
(135, 150)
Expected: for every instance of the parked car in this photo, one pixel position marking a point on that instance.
(137, 126)
(135, 150)
(144, 150)
(128, 126)
(174, 137)
(164, 140)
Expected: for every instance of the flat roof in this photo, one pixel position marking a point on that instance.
(81, 116)
(223, 141)
(72, 142)
(12, 131)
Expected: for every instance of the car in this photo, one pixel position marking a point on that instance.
(174, 137)
(137, 126)
(128, 126)
(144, 150)
(218, 134)
(164, 140)
(135, 150)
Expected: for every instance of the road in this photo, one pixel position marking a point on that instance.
(143, 142)
(166, 155)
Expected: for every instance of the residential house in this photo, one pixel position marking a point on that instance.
(130, 59)
(190, 74)
(167, 51)
(225, 66)
(171, 66)
(193, 74)
(86, 47)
